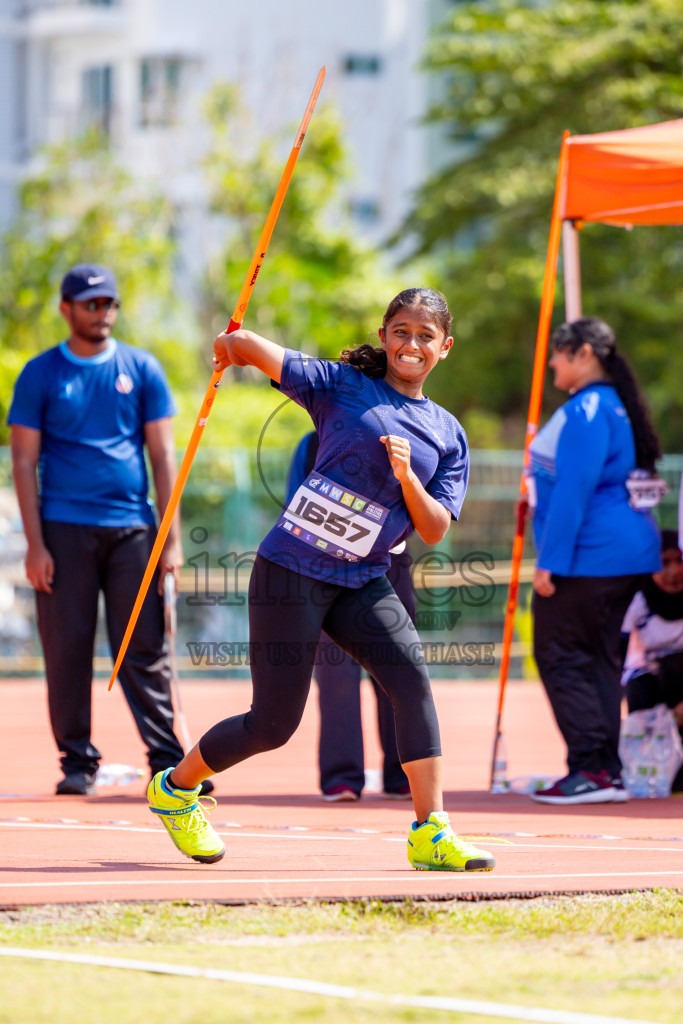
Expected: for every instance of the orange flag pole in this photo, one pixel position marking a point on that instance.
(498, 763)
(235, 323)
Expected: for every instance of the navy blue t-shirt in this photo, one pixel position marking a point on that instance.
(91, 414)
(351, 412)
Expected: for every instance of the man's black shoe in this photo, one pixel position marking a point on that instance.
(76, 784)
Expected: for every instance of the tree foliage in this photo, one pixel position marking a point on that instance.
(81, 206)
(321, 289)
(512, 77)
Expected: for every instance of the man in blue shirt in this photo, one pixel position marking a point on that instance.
(81, 416)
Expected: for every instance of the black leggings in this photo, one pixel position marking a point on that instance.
(286, 614)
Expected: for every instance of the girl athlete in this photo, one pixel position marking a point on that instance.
(390, 461)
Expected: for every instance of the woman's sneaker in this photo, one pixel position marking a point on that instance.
(578, 788)
(340, 794)
(185, 820)
(434, 846)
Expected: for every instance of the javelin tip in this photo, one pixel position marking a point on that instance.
(309, 109)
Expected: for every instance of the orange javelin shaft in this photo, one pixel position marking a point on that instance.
(534, 416)
(235, 323)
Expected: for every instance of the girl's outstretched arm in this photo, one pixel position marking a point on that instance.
(244, 348)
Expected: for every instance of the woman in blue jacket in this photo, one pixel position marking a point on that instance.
(594, 544)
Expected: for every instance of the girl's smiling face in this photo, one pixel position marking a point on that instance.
(414, 344)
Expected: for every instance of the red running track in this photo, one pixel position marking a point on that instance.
(283, 841)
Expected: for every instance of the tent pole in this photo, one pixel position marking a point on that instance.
(498, 764)
(571, 263)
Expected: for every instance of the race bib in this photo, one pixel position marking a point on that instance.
(337, 521)
(645, 491)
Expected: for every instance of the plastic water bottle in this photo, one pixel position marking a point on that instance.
(373, 780)
(660, 779)
(636, 767)
(117, 774)
(627, 753)
(499, 778)
(529, 783)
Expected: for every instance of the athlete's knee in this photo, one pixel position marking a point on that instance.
(269, 734)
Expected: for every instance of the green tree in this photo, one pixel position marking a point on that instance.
(83, 207)
(321, 289)
(511, 77)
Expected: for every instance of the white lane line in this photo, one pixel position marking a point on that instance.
(333, 838)
(511, 845)
(571, 846)
(78, 828)
(286, 835)
(288, 880)
(537, 1014)
(156, 831)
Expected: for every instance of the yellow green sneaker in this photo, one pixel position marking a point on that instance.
(185, 820)
(434, 846)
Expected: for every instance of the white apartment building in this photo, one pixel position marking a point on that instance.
(140, 68)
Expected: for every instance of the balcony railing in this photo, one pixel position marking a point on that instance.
(28, 7)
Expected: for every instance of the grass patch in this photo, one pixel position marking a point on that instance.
(611, 955)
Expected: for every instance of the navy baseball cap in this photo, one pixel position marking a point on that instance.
(89, 281)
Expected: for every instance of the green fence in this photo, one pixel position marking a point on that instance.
(232, 498)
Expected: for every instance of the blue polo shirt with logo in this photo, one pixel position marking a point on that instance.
(91, 414)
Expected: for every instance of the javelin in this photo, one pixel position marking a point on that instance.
(235, 323)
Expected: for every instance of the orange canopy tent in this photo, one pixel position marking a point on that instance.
(624, 178)
(628, 177)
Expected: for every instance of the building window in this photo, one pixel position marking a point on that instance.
(98, 97)
(159, 90)
(362, 64)
(365, 210)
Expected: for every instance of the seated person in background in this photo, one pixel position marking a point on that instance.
(340, 745)
(653, 673)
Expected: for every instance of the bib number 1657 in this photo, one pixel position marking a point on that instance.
(333, 522)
